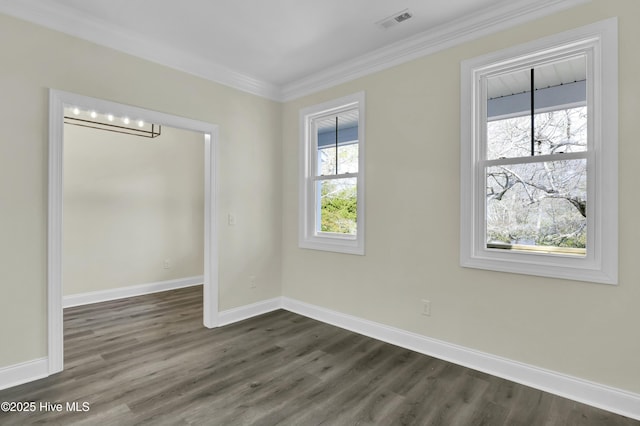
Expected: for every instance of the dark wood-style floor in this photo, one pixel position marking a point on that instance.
(149, 360)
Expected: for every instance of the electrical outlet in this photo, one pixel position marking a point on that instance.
(252, 281)
(166, 264)
(426, 307)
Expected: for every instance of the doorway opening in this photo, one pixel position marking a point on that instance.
(60, 100)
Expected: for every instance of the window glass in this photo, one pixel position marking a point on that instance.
(337, 206)
(337, 137)
(337, 155)
(559, 121)
(537, 111)
(538, 204)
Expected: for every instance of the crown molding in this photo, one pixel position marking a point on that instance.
(467, 28)
(74, 23)
(491, 20)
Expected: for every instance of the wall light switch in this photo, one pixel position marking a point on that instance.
(232, 219)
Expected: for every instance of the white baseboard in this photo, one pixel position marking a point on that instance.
(594, 394)
(24, 372)
(248, 311)
(131, 291)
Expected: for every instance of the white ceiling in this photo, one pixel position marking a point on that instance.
(272, 47)
(275, 41)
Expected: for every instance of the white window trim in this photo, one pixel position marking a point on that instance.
(601, 262)
(307, 237)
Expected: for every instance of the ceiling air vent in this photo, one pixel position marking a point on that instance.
(394, 19)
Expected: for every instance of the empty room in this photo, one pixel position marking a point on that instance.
(366, 212)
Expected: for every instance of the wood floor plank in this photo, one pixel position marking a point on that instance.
(148, 360)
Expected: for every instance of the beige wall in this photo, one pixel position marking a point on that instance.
(35, 59)
(412, 195)
(130, 203)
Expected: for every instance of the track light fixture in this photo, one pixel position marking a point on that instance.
(95, 120)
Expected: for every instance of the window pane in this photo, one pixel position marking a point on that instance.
(559, 100)
(337, 131)
(537, 205)
(336, 206)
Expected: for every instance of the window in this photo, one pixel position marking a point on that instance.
(332, 176)
(539, 157)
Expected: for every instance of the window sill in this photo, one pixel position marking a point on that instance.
(577, 252)
(337, 245)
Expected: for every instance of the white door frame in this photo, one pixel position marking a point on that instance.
(58, 100)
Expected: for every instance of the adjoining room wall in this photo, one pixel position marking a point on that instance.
(130, 204)
(35, 59)
(585, 330)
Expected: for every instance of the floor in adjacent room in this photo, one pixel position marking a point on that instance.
(149, 360)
